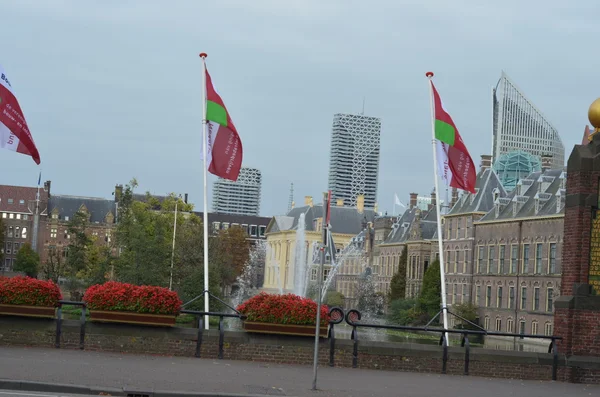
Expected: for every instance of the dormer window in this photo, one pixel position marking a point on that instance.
(495, 194)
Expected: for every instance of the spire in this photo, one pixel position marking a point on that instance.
(291, 199)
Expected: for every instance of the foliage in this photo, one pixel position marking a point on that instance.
(403, 311)
(28, 261)
(114, 296)
(28, 291)
(398, 282)
(334, 299)
(468, 311)
(1, 242)
(430, 298)
(232, 254)
(283, 309)
(54, 267)
(79, 243)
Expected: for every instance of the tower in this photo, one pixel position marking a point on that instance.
(291, 199)
(240, 197)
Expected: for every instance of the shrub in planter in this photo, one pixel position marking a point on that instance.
(288, 309)
(27, 291)
(121, 297)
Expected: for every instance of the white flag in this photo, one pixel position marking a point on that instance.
(397, 201)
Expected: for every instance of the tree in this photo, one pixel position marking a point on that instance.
(334, 299)
(1, 243)
(233, 252)
(54, 267)
(79, 243)
(28, 261)
(430, 298)
(403, 311)
(398, 282)
(468, 311)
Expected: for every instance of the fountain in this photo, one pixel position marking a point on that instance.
(300, 262)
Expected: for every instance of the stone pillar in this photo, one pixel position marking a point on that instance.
(577, 310)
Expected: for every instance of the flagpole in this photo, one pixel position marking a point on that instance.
(438, 210)
(173, 249)
(36, 216)
(205, 171)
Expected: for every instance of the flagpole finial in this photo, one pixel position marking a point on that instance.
(429, 74)
(203, 55)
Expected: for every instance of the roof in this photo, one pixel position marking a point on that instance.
(235, 218)
(68, 206)
(487, 188)
(540, 194)
(344, 220)
(414, 224)
(18, 198)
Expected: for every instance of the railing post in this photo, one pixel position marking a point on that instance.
(554, 359)
(465, 343)
(355, 347)
(445, 353)
(331, 345)
(58, 327)
(221, 337)
(82, 328)
(199, 338)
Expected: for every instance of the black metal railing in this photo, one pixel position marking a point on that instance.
(59, 321)
(353, 317)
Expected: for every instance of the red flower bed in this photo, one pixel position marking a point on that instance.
(283, 309)
(122, 297)
(29, 291)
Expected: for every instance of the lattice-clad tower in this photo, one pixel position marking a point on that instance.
(519, 125)
(354, 158)
(239, 197)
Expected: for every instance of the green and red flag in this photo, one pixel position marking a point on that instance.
(454, 162)
(224, 146)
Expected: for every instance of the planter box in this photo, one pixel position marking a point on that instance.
(284, 329)
(164, 320)
(28, 311)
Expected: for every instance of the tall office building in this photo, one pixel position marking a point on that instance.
(354, 158)
(519, 125)
(240, 197)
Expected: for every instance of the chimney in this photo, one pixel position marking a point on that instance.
(454, 198)
(360, 203)
(47, 187)
(375, 208)
(432, 205)
(308, 201)
(185, 198)
(546, 162)
(339, 202)
(413, 200)
(118, 193)
(293, 204)
(486, 162)
(586, 135)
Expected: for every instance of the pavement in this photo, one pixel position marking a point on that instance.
(57, 373)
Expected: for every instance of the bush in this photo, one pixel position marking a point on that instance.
(29, 291)
(114, 296)
(283, 309)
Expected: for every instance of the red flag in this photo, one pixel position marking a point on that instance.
(14, 132)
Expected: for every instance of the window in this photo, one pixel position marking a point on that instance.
(538, 258)
(491, 257)
(261, 230)
(549, 299)
(499, 298)
(66, 218)
(313, 274)
(10, 201)
(11, 232)
(216, 226)
(511, 297)
(522, 327)
(552, 259)
(454, 294)
(488, 296)
(16, 248)
(534, 327)
(325, 274)
(478, 295)
(498, 324)
(24, 233)
(18, 216)
(25, 217)
(225, 225)
(465, 260)
(513, 258)
(53, 233)
(449, 231)
(458, 228)
(8, 249)
(523, 298)
(548, 329)
(17, 232)
(525, 268)
(4, 215)
(11, 216)
(501, 262)
(447, 262)
(536, 299)
(486, 323)
(7, 265)
(22, 202)
(510, 325)
(455, 261)
(480, 260)
(253, 230)
(464, 293)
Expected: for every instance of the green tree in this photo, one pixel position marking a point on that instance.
(54, 267)
(232, 254)
(28, 261)
(1, 242)
(334, 299)
(468, 311)
(79, 243)
(403, 312)
(398, 282)
(430, 298)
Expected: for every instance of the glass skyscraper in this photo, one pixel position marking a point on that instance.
(241, 197)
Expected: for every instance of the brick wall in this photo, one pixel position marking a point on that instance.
(295, 350)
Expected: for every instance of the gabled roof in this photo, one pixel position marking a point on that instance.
(68, 206)
(487, 186)
(423, 223)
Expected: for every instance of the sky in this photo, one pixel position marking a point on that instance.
(111, 89)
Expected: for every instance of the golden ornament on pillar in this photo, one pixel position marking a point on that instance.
(594, 117)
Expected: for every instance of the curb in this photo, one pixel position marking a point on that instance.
(17, 385)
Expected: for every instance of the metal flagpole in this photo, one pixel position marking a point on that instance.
(173, 249)
(320, 286)
(438, 209)
(205, 171)
(36, 216)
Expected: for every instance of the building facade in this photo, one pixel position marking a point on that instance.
(519, 125)
(354, 158)
(241, 197)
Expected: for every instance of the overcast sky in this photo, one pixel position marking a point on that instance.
(111, 89)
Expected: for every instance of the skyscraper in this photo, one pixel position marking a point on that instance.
(354, 158)
(239, 197)
(519, 125)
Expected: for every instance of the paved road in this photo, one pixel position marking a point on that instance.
(205, 375)
(12, 393)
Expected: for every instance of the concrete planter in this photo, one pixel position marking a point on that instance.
(162, 320)
(27, 311)
(284, 329)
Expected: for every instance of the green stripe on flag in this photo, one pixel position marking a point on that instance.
(216, 113)
(444, 132)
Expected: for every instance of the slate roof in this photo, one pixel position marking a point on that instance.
(541, 193)
(414, 217)
(68, 206)
(344, 220)
(486, 186)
